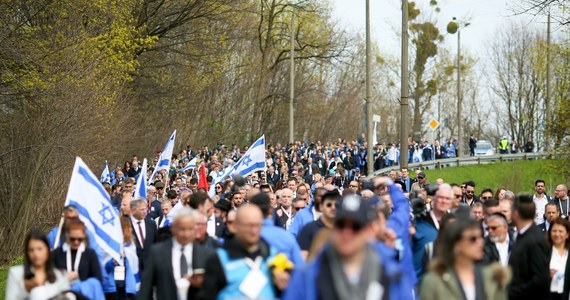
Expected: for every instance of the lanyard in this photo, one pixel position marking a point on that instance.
(567, 206)
(253, 265)
(77, 257)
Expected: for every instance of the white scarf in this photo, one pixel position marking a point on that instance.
(67, 250)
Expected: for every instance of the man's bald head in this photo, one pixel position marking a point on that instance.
(248, 224)
(251, 193)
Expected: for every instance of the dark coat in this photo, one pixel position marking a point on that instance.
(529, 262)
(159, 273)
(490, 252)
(150, 239)
(89, 266)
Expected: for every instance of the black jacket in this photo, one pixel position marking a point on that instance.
(215, 277)
(490, 252)
(159, 273)
(89, 266)
(149, 240)
(529, 262)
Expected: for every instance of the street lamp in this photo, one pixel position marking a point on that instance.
(455, 27)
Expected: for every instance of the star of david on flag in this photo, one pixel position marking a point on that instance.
(93, 203)
(252, 161)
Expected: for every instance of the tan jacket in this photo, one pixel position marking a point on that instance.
(495, 281)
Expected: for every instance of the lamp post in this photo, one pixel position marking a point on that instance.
(369, 129)
(292, 77)
(404, 91)
(455, 27)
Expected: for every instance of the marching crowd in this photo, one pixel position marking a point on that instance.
(310, 227)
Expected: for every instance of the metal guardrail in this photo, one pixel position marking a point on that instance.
(465, 161)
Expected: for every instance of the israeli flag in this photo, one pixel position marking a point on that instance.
(95, 210)
(140, 190)
(191, 165)
(252, 161)
(164, 159)
(178, 206)
(106, 175)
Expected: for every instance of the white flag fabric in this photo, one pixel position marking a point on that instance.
(165, 156)
(252, 161)
(95, 210)
(191, 165)
(140, 190)
(106, 175)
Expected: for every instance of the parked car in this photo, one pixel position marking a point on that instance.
(484, 148)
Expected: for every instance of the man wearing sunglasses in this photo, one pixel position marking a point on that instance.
(328, 211)
(348, 267)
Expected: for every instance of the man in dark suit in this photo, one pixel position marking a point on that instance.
(551, 213)
(144, 229)
(201, 202)
(529, 256)
(175, 266)
(271, 176)
(499, 242)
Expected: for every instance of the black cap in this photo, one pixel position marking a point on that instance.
(223, 205)
(421, 175)
(354, 208)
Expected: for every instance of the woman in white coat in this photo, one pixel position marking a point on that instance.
(37, 278)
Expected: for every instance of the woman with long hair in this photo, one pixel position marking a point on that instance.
(454, 273)
(558, 238)
(120, 280)
(38, 277)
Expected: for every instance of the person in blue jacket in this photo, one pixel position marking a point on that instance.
(308, 214)
(276, 236)
(349, 267)
(392, 228)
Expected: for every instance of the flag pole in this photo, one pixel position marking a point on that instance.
(58, 236)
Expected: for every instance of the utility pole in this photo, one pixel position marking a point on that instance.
(547, 104)
(369, 129)
(404, 91)
(459, 100)
(292, 77)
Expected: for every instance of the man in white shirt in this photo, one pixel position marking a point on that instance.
(498, 243)
(540, 199)
(166, 207)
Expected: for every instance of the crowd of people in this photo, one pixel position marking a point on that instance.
(311, 226)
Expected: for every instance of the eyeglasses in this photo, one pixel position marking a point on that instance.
(218, 187)
(355, 227)
(73, 239)
(421, 177)
(470, 192)
(298, 208)
(486, 198)
(473, 238)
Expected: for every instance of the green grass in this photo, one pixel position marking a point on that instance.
(517, 176)
(4, 275)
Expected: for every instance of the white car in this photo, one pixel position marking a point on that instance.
(484, 148)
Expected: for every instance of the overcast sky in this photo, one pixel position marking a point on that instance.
(485, 16)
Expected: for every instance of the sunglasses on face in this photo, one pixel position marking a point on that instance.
(473, 238)
(470, 192)
(486, 198)
(298, 208)
(73, 239)
(350, 225)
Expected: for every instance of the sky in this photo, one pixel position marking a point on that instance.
(485, 18)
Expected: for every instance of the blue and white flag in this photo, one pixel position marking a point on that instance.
(191, 165)
(106, 175)
(178, 206)
(95, 210)
(252, 161)
(165, 156)
(140, 189)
